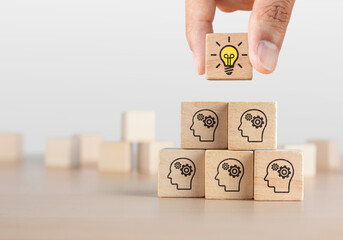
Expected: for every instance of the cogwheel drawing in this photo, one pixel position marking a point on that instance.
(257, 122)
(234, 171)
(177, 165)
(248, 117)
(186, 170)
(200, 117)
(275, 167)
(209, 121)
(284, 172)
(225, 166)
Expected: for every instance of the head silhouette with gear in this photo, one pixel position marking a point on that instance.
(252, 126)
(279, 175)
(229, 174)
(181, 173)
(204, 125)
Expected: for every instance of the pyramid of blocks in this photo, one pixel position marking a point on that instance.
(229, 151)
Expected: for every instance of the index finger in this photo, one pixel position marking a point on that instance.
(199, 18)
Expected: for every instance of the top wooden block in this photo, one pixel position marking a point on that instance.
(10, 147)
(204, 125)
(252, 126)
(227, 57)
(138, 126)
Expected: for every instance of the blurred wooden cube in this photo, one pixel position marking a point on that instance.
(89, 149)
(115, 157)
(310, 159)
(10, 147)
(328, 155)
(138, 126)
(148, 156)
(62, 153)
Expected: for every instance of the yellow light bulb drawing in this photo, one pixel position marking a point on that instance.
(229, 56)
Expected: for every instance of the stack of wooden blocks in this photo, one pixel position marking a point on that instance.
(229, 151)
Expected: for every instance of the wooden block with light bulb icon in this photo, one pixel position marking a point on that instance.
(204, 125)
(252, 126)
(279, 175)
(229, 174)
(227, 57)
(181, 173)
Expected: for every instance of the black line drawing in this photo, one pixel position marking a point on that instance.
(230, 172)
(181, 173)
(204, 125)
(253, 122)
(279, 176)
(229, 55)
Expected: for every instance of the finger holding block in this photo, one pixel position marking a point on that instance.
(204, 125)
(252, 126)
(279, 175)
(181, 173)
(229, 174)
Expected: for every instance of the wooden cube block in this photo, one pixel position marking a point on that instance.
(279, 175)
(149, 154)
(89, 149)
(227, 57)
(252, 126)
(204, 125)
(138, 126)
(328, 155)
(62, 153)
(115, 157)
(310, 159)
(229, 174)
(181, 173)
(10, 147)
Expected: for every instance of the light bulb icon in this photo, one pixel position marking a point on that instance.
(229, 56)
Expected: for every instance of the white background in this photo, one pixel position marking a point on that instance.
(72, 66)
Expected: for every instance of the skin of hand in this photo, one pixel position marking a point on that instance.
(267, 28)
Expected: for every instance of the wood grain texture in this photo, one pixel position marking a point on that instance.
(10, 147)
(216, 45)
(229, 174)
(149, 154)
(181, 173)
(204, 125)
(279, 175)
(115, 157)
(89, 149)
(252, 126)
(62, 153)
(138, 126)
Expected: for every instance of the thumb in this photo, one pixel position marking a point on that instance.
(267, 29)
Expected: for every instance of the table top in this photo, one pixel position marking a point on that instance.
(39, 203)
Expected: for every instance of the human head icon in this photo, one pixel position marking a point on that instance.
(279, 175)
(181, 173)
(252, 126)
(204, 125)
(229, 174)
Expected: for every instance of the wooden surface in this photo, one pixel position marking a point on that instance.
(36, 203)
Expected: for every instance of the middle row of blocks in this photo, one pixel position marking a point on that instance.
(233, 125)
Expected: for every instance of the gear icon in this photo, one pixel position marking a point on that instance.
(177, 165)
(200, 116)
(248, 117)
(225, 166)
(234, 171)
(209, 121)
(257, 122)
(284, 172)
(275, 167)
(186, 170)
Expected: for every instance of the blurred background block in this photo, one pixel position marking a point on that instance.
(138, 126)
(89, 149)
(115, 157)
(10, 147)
(62, 153)
(328, 155)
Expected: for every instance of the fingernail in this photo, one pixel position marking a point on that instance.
(268, 54)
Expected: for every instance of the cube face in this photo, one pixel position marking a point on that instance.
(138, 126)
(181, 173)
(252, 126)
(89, 149)
(328, 155)
(227, 57)
(61, 153)
(115, 157)
(148, 156)
(229, 174)
(204, 125)
(10, 147)
(278, 175)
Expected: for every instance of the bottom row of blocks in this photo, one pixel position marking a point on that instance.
(225, 174)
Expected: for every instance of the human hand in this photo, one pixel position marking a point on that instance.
(267, 28)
